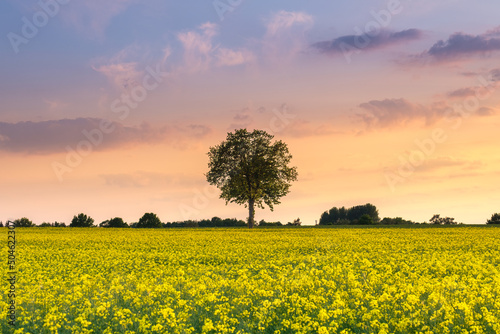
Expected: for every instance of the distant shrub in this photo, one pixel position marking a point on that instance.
(495, 219)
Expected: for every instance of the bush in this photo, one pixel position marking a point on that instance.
(55, 224)
(81, 220)
(114, 222)
(23, 222)
(495, 219)
(365, 220)
(264, 223)
(149, 220)
(395, 221)
(437, 220)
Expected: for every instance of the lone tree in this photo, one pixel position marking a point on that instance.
(82, 220)
(251, 170)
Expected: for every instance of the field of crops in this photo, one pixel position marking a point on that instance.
(276, 280)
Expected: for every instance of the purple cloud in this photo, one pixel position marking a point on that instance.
(460, 45)
(398, 112)
(392, 112)
(366, 42)
(55, 135)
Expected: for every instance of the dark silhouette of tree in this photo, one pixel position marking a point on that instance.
(264, 223)
(216, 221)
(82, 220)
(114, 222)
(250, 170)
(495, 219)
(395, 221)
(296, 222)
(54, 224)
(343, 216)
(23, 222)
(438, 220)
(366, 219)
(149, 220)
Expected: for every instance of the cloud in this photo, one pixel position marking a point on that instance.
(141, 179)
(300, 128)
(490, 81)
(441, 163)
(122, 75)
(462, 92)
(200, 54)
(394, 112)
(54, 105)
(460, 45)
(399, 112)
(383, 39)
(228, 57)
(55, 135)
(495, 75)
(241, 119)
(122, 69)
(486, 111)
(285, 37)
(284, 20)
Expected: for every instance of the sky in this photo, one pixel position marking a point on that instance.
(109, 108)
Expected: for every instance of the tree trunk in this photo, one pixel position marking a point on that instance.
(251, 212)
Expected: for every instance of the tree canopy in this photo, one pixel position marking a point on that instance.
(495, 219)
(23, 222)
(149, 220)
(351, 216)
(82, 220)
(250, 169)
(114, 222)
(438, 220)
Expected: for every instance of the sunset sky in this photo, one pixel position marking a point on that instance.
(109, 107)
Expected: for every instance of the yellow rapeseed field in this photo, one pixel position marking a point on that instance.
(276, 280)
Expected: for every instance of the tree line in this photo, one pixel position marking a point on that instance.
(148, 220)
(368, 215)
(358, 215)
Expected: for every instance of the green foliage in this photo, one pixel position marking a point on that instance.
(264, 223)
(114, 222)
(149, 220)
(23, 222)
(365, 220)
(82, 220)
(249, 169)
(495, 219)
(343, 216)
(55, 224)
(296, 222)
(214, 222)
(395, 221)
(438, 220)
